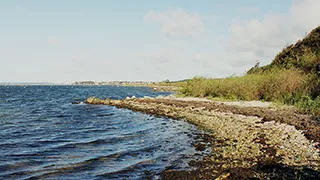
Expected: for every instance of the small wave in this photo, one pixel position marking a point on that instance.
(129, 171)
(26, 155)
(94, 142)
(60, 115)
(97, 142)
(52, 141)
(108, 114)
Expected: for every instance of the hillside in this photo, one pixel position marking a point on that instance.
(303, 55)
(292, 78)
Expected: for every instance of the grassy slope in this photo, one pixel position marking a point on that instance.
(291, 78)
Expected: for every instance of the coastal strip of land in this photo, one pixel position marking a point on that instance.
(165, 86)
(250, 140)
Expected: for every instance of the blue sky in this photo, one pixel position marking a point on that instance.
(101, 40)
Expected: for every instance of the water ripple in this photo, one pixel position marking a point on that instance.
(44, 136)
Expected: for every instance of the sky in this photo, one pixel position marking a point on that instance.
(104, 40)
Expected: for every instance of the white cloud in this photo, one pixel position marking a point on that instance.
(248, 10)
(178, 63)
(205, 60)
(305, 14)
(162, 56)
(176, 23)
(52, 40)
(225, 54)
(263, 39)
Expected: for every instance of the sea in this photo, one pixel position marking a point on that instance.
(44, 136)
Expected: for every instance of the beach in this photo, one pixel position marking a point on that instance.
(247, 139)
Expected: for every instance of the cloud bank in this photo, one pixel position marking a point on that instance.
(263, 39)
(246, 42)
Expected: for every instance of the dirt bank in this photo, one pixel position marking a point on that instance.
(249, 142)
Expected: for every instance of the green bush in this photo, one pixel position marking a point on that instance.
(309, 105)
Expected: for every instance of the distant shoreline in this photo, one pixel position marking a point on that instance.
(158, 87)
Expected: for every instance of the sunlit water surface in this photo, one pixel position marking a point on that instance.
(43, 135)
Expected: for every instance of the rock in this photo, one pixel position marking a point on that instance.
(200, 147)
(128, 98)
(133, 97)
(94, 100)
(159, 97)
(223, 176)
(107, 101)
(76, 102)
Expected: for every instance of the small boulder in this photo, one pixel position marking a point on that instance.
(200, 147)
(107, 101)
(160, 97)
(94, 100)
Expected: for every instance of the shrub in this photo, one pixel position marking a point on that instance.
(309, 105)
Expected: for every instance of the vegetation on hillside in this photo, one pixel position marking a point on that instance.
(292, 78)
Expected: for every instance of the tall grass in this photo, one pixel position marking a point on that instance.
(269, 86)
(290, 86)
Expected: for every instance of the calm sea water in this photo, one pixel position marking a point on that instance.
(43, 135)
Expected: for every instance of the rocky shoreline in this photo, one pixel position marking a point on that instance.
(247, 142)
(164, 88)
